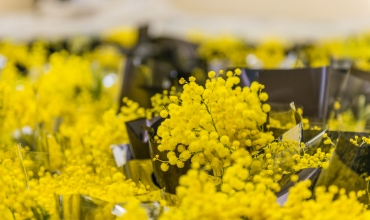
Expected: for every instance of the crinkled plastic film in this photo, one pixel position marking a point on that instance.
(348, 162)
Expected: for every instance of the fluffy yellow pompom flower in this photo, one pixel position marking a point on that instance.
(164, 166)
(224, 139)
(212, 122)
(182, 81)
(263, 96)
(164, 114)
(294, 178)
(180, 164)
(211, 74)
(266, 107)
(336, 105)
(191, 79)
(174, 99)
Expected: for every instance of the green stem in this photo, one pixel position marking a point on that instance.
(163, 161)
(213, 122)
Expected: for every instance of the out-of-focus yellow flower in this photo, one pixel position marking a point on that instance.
(225, 48)
(124, 36)
(271, 52)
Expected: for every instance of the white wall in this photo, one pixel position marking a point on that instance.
(291, 19)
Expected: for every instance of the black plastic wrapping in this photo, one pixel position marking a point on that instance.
(82, 207)
(306, 174)
(139, 137)
(169, 179)
(354, 88)
(141, 171)
(349, 166)
(311, 174)
(156, 64)
(138, 146)
(307, 87)
(360, 74)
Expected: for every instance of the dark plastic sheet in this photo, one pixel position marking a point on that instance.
(156, 64)
(307, 87)
(349, 166)
(139, 137)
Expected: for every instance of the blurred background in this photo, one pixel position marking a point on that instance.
(289, 19)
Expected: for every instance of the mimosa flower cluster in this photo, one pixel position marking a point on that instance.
(208, 124)
(58, 122)
(60, 109)
(29, 190)
(243, 199)
(276, 53)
